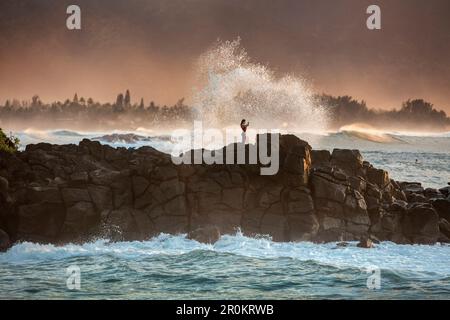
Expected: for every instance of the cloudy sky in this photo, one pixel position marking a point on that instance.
(149, 46)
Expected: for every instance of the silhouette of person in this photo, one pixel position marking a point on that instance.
(244, 129)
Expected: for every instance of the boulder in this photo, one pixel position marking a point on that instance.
(350, 161)
(302, 227)
(411, 187)
(378, 177)
(444, 227)
(432, 193)
(442, 207)
(326, 187)
(320, 158)
(342, 244)
(295, 157)
(445, 191)
(365, 243)
(398, 206)
(421, 224)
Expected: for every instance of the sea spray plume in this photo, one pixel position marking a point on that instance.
(232, 87)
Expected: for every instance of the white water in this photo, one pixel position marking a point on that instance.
(414, 259)
(232, 87)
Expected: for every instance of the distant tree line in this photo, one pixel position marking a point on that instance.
(79, 113)
(414, 114)
(87, 113)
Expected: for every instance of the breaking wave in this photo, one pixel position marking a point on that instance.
(232, 87)
(403, 258)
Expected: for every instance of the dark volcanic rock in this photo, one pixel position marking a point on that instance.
(320, 158)
(350, 161)
(5, 242)
(51, 193)
(421, 224)
(207, 234)
(365, 243)
(442, 207)
(444, 227)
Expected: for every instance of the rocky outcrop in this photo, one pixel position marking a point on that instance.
(70, 193)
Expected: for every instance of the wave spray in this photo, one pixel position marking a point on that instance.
(232, 87)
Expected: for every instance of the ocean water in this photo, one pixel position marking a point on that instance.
(238, 267)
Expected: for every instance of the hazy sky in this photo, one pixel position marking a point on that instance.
(149, 46)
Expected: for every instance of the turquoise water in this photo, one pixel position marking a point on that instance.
(236, 267)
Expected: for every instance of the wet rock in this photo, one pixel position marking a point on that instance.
(295, 157)
(358, 184)
(416, 197)
(365, 243)
(442, 207)
(5, 242)
(412, 187)
(398, 206)
(302, 227)
(207, 234)
(432, 193)
(326, 187)
(445, 191)
(60, 193)
(350, 161)
(374, 239)
(378, 177)
(320, 158)
(342, 244)
(421, 224)
(444, 227)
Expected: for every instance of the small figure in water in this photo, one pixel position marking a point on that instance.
(244, 129)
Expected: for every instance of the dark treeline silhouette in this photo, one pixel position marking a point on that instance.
(414, 114)
(81, 113)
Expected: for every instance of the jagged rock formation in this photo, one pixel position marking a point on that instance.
(70, 193)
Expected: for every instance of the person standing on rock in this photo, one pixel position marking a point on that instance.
(244, 130)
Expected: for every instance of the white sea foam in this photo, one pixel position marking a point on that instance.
(232, 87)
(413, 259)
